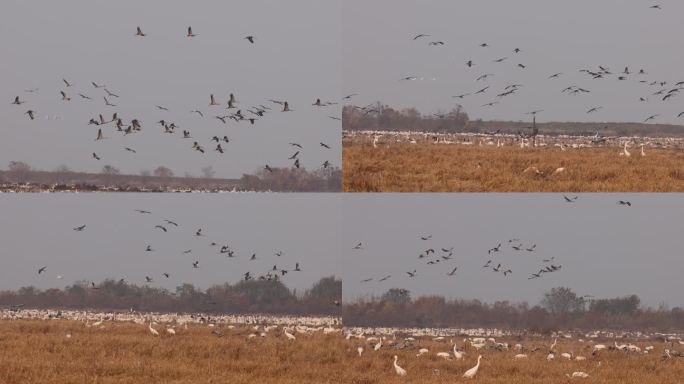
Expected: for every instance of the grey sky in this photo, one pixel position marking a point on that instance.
(37, 231)
(296, 57)
(554, 36)
(605, 250)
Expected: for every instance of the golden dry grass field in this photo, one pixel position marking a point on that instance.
(40, 352)
(376, 367)
(426, 167)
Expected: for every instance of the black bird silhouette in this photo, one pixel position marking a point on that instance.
(385, 278)
(81, 228)
(166, 275)
(161, 227)
(324, 145)
(419, 36)
(428, 237)
(140, 32)
(29, 113)
(296, 145)
(358, 246)
(95, 156)
(148, 279)
(195, 264)
(17, 101)
(627, 203)
(41, 270)
(171, 222)
(250, 39)
(452, 272)
(412, 274)
(199, 232)
(569, 199)
(268, 168)
(190, 34)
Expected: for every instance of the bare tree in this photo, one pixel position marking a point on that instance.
(19, 171)
(208, 172)
(561, 300)
(163, 172)
(110, 170)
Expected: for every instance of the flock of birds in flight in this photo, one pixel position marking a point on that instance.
(251, 114)
(665, 91)
(275, 273)
(436, 256)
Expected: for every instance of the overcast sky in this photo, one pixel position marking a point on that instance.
(605, 250)
(295, 58)
(554, 36)
(37, 231)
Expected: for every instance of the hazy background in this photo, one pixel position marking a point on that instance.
(296, 57)
(36, 231)
(605, 250)
(554, 36)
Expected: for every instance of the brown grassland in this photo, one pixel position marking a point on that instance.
(40, 352)
(456, 168)
(500, 367)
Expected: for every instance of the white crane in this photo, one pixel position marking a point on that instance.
(377, 346)
(469, 374)
(289, 335)
(580, 374)
(555, 342)
(171, 331)
(399, 370)
(642, 150)
(458, 354)
(359, 349)
(153, 331)
(625, 152)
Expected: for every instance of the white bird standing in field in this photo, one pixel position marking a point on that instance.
(625, 152)
(458, 355)
(171, 331)
(642, 150)
(153, 331)
(555, 341)
(469, 374)
(359, 349)
(550, 356)
(289, 335)
(377, 346)
(399, 370)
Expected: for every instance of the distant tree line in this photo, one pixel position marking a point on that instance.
(253, 296)
(380, 117)
(560, 309)
(162, 178)
(294, 180)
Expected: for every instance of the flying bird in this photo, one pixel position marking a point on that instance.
(140, 32)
